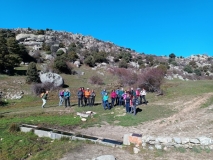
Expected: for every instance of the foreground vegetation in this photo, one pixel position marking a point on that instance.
(18, 145)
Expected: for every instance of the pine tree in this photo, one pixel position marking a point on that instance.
(3, 52)
(32, 73)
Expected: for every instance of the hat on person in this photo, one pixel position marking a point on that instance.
(87, 88)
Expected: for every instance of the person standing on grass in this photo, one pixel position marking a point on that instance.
(67, 98)
(44, 98)
(92, 98)
(120, 93)
(83, 98)
(143, 96)
(117, 96)
(102, 96)
(113, 97)
(127, 103)
(87, 97)
(133, 105)
(61, 97)
(80, 97)
(106, 103)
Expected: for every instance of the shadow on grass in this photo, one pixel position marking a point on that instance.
(3, 104)
(138, 110)
(19, 72)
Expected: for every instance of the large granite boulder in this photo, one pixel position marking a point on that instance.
(53, 78)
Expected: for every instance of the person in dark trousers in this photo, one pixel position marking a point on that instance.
(120, 96)
(106, 103)
(113, 97)
(103, 92)
(67, 98)
(80, 97)
(143, 96)
(83, 90)
(117, 96)
(134, 104)
(92, 98)
(127, 103)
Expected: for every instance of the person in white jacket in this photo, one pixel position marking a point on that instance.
(143, 96)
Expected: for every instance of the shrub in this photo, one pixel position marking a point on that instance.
(59, 53)
(32, 73)
(188, 69)
(122, 64)
(193, 64)
(151, 79)
(96, 80)
(99, 57)
(89, 61)
(197, 72)
(60, 64)
(126, 76)
(14, 128)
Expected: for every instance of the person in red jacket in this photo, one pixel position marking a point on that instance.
(113, 96)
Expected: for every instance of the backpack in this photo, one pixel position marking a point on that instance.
(44, 96)
(61, 93)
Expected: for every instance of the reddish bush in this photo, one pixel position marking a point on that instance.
(96, 80)
(126, 76)
(151, 79)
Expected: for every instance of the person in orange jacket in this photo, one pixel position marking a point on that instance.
(87, 96)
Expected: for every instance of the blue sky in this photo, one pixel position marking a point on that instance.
(159, 27)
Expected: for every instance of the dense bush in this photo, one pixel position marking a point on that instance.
(32, 73)
(96, 80)
(197, 72)
(188, 69)
(90, 61)
(59, 53)
(149, 78)
(123, 64)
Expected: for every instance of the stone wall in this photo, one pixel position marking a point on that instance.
(160, 142)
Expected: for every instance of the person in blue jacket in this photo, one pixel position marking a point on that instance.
(67, 98)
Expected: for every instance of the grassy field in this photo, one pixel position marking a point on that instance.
(17, 145)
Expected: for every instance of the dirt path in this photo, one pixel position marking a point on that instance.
(190, 121)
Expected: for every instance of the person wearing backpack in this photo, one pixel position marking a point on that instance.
(80, 97)
(67, 98)
(61, 97)
(44, 98)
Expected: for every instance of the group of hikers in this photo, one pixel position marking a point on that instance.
(119, 97)
(127, 98)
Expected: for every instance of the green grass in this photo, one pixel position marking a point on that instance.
(28, 110)
(41, 118)
(21, 145)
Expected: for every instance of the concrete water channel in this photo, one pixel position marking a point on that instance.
(58, 134)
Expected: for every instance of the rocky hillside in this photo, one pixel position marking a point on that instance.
(46, 45)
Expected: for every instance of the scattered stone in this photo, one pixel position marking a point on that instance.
(158, 146)
(205, 141)
(194, 140)
(136, 150)
(177, 140)
(105, 157)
